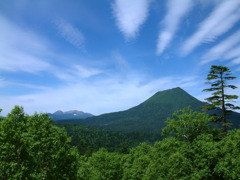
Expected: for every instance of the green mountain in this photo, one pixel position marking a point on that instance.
(150, 115)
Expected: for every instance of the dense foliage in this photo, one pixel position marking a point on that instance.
(31, 147)
(89, 139)
(205, 154)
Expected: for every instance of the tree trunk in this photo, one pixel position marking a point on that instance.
(223, 107)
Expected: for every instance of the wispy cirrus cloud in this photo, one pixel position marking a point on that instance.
(76, 72)
(20, 49)
(235, 61)
(176, 11)
(224, 16)
(71, 34)
(222, 49)
(130, 15)
(20, 61)
(26, 86)
(234, 56)
(86, 72)
(98, 96)
(233, 53)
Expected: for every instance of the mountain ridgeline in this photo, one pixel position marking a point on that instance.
(59, 115)
(149, 116)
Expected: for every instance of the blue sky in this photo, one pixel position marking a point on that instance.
(105, 56)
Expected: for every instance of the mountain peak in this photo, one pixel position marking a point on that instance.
(176, 89)
(149, 115)
(175, 96)
(73, 114)
(59, 112)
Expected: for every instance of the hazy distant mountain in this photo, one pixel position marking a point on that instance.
(150, 115)
(74, 114)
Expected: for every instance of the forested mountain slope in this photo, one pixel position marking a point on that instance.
(150, 115)
(90, 139)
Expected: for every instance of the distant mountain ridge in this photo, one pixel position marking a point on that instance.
(150, 115)
(73, 114)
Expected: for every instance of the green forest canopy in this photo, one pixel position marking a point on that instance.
(31, 147)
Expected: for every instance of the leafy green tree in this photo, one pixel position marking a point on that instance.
(204, 156)
(228, 166)
(136, 162)
(194, 147)
(218, 78)
(14, 158)
(169, 160)
(49, 145)
(32, 148)
(187, 124)
(101, 165)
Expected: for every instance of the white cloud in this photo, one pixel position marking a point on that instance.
(130, 15)
(223, 27)
(222, 48)
(208, 3)
(97, 96)
(71, 34)
(20, 49)
(25, 51)
(14, 61)
(176, 11)
(76, 72)
(13, 84)
(86, 72)
(235, 61)
(233, 53)
(14, 36)
(224, 16)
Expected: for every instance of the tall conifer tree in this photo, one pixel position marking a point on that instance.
(218, 78)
